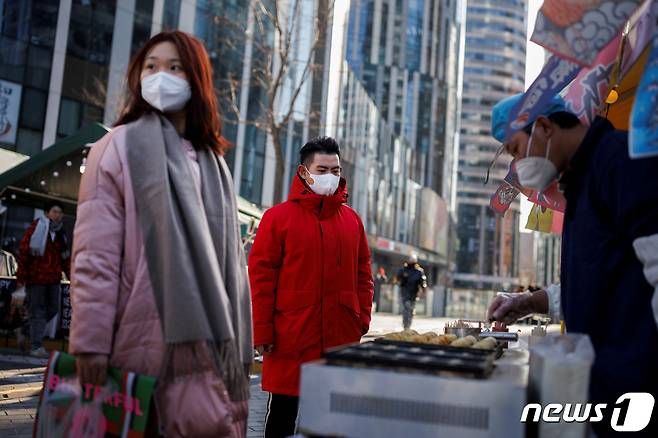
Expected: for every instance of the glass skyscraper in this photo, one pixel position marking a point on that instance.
(407, 55)
(398, 122)
(494, 68)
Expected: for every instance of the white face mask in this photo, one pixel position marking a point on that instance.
(165, 91)
(324, 185)
(536, 173)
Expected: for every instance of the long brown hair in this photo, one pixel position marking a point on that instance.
(203, 126)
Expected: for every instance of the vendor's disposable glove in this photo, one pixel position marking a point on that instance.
(509, 308)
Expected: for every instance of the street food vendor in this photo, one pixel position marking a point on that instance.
(609, 268)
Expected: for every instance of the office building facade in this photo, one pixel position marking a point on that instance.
(407, 54)
(494, 68)
(398, 122)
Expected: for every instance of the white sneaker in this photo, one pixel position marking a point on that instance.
(40, 353)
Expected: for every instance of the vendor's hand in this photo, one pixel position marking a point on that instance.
(508, 309)
(267, 348)
(92, 368)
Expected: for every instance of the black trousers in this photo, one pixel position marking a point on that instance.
(43, 306)
(408, 310)
(281, 416)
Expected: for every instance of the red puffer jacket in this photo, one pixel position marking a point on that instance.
(42, 270)
(311, 282)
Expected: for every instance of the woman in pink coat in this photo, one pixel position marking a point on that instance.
(159, 283)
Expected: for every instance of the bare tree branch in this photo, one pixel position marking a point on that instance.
(308, 67)
(277, 68)
(285, 44)
(233, 100)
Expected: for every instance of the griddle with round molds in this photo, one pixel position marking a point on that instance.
(412, 357)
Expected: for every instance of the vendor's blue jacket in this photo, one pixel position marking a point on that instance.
(611, 201)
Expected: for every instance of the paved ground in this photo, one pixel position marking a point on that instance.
(21, 378)
(20, 381)
(257, 409)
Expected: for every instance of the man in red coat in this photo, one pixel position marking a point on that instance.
(44, 254)
(310, 276)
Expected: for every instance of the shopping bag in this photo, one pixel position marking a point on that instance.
(13, 309)
(120, 408)
(63, 412)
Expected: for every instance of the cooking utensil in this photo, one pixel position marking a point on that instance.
(462, 331)
(500, 336)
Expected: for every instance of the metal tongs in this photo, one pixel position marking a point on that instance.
(500, 336)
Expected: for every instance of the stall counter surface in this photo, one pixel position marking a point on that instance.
(364, 402)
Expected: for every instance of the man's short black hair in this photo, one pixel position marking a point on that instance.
(563, 119)
(52, 204)
(318, 145)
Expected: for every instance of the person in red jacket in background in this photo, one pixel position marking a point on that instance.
(311, 281)
(43, 256)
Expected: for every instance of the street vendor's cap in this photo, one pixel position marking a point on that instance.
(501, 113)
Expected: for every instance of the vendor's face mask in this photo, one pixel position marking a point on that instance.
(536, 173)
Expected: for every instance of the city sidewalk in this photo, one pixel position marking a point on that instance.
(21, 378)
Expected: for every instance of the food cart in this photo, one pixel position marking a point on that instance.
(405, 386)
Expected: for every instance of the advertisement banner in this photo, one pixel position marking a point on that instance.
(643, 25)
(540, 219)
(433, 222)
(503, 198)
(578, 30)
(550, 197)
(586, 95)
(545, 220)
(10, 104)
(556, 74)
(643, 135)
